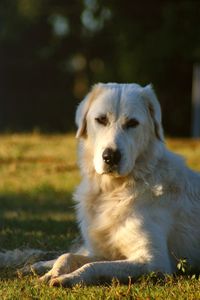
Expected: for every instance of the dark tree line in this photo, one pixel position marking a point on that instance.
(51, 51)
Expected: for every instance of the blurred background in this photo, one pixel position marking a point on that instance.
(52, 51)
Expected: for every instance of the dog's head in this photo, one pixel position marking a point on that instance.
(120, 121)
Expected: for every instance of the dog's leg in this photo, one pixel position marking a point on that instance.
(39, 267)
(65, 264)
(104, 272)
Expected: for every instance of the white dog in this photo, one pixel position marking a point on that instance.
(138, 205)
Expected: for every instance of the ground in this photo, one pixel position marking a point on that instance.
(38, 176)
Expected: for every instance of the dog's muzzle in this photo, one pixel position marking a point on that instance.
(111, 157)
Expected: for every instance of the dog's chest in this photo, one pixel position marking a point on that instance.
(106, 226)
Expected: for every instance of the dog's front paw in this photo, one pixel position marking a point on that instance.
(63, 265)
(53, 279)
(84, 276)
(47, 277)
(66, 281)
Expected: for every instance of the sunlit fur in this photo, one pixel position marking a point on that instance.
(144, 215)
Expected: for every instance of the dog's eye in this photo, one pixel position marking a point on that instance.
(132, 123)
(102, 120)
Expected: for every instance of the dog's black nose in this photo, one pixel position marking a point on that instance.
(111, 157)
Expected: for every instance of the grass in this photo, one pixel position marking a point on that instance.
(38, 176)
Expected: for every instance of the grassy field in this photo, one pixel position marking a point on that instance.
(38, 176)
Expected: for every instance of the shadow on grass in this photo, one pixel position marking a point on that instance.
(43, 219)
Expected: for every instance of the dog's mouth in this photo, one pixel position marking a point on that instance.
(111, 170)
(116, 170)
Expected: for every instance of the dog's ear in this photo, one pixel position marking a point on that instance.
(81, 112)
(154, 110)
(80, 117)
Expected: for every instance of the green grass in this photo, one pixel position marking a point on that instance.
(38, 176)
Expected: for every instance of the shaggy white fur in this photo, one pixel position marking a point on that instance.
(138, 204)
